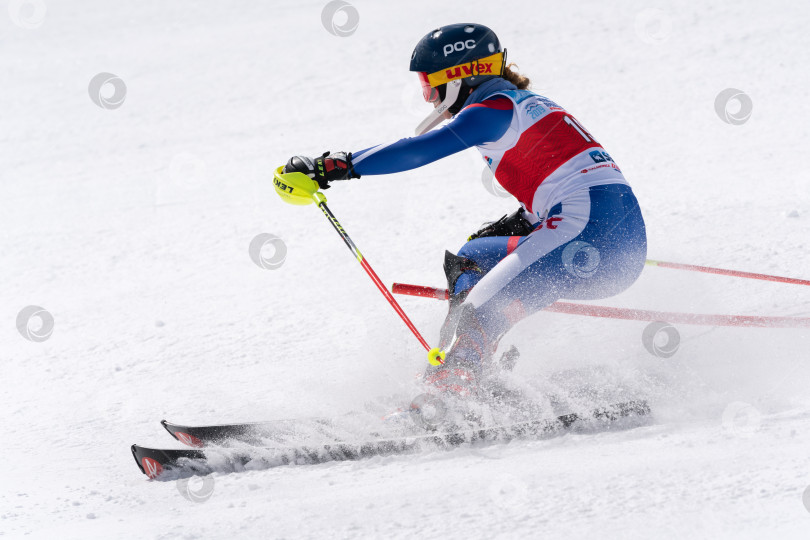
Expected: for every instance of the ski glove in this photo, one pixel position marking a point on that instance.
(327, 168)
(512, 225)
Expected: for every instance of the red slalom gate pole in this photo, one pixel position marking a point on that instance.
(419, 290)
(681, 318)
(634, 314)
(723, 272)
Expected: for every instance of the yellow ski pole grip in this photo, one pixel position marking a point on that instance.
(296, 188)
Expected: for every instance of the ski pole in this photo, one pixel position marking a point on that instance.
(370, 271)
(300, 189)
(722, 272)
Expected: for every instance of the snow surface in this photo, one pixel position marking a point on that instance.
(131, 226)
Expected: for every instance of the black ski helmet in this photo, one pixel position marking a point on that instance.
(459, 46)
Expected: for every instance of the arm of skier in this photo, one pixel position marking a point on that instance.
(475, 125)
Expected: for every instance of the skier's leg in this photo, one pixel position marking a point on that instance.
(593, 245)
(463, 271)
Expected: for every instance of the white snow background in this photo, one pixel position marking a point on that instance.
(131, 224)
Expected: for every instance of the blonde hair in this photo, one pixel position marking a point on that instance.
(521, 81)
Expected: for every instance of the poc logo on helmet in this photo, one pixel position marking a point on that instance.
(459, 46)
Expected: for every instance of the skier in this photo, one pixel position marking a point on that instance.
(578, 234)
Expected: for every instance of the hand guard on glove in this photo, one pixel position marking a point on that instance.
(512, 225)
(327, 168)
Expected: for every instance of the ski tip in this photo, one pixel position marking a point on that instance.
(168, 427)
(148, 460)
(179, 434)
(134, 449)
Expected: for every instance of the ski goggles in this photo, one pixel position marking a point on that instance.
(430, 93)
(491, 65)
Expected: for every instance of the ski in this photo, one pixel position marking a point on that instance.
(153, 462)
(254, 433)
